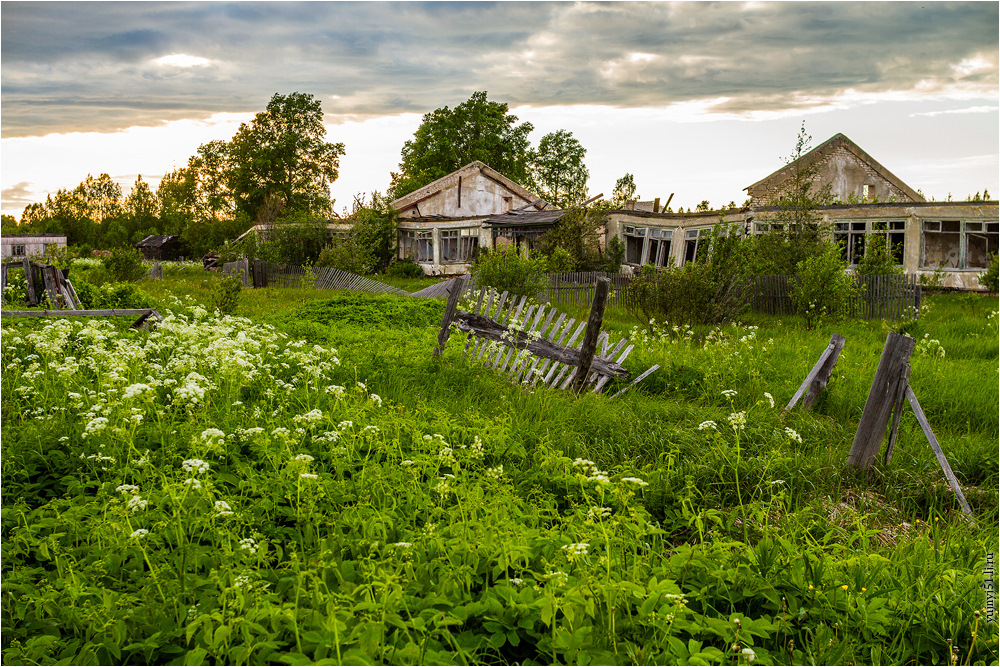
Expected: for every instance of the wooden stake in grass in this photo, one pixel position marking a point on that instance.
(589, 346)
(454, 293)
(819, 376)
(881, 398)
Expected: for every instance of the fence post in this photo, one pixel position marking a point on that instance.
(881, 398)
(589, 345)
(454, 292)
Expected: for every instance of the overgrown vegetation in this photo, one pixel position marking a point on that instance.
(509, 270)
(308, 485)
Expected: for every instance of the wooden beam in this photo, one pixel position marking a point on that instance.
(589, 346)
(897, 411)
(875, 417)
(454, 293)
(938, 452)
(819, 376)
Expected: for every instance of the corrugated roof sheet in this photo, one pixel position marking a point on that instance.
(525, 218)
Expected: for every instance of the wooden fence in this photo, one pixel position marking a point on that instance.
(879, 297)
(257, 273)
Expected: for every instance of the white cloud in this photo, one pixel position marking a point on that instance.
(948, 112)
(182, 60)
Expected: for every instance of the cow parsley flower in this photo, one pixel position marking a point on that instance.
(140, 532)
(729, 393)
(738, 419)
(128, 489)
(135, 503)
(308, 475)
(303, 458)
(635, 480)
(194, 466)
(193, 482)
(709, 424)
(222, 508)
(248, 544)
(793, 435)
(770, 399)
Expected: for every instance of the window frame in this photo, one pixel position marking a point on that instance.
(858, 231)
(987, 228)
(651, 240)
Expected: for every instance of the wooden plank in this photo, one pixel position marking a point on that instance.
(897, 411)
(449, 314)
(817, 378)
(875, 417)
(513, 352)
(479, 304)
(938, 452)
(529, 373)
(534, 331)
(118, 312)
(3, 278)
(30, 279)
(51, 285)
(636, 381)
(547, 362)
(73, 295)
(507, 319)
(562, 370)
(603, 380)
(589, 345)
(496, 317)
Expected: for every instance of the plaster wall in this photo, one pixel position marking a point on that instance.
(479, 196)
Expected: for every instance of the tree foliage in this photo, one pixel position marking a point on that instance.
(557, 170)
(283, 152)
(447, 139)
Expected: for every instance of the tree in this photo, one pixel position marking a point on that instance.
(451, 138)
(557, 169)
(102, 197)
(797, 228)
(142, 211)
(624, 191)
(283, 152)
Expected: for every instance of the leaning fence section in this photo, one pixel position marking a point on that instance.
(257, 273)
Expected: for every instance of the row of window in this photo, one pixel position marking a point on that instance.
(458, 246)
(950, 244)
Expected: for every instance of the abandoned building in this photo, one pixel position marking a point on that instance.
(443, 223)
(19, 246)
(160, 247)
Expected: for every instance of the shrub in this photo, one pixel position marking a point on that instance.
(405, 268)
(111, 296)
(226, 295)
(878, 259)
(990, 279)
(347, 254)
(124, 265)
(507, 270)
(822, 287)
(16, 291)
(560, 261)
(711, 290)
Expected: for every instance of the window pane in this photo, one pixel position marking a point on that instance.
(941, 250)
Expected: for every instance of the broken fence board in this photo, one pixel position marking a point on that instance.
(819, 376)
(588, 346)
(636, 381)
(938, 452)
(897, 411)
(875, 417)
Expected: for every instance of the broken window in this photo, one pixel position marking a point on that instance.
(852, 237)
(635, 240)
(458, 245)
(942, 244)
(416, 245)
(954, 244)
(980, 243)
(468, 244)
(692, 240)
(658, 247)
(17, 250)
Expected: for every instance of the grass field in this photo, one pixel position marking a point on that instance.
(303, 483)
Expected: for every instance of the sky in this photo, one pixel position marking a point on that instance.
(697, 99)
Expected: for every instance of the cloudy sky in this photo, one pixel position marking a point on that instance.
(697, 99)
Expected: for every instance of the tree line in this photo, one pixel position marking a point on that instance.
(279, 167)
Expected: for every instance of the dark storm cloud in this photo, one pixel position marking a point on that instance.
(91, 66)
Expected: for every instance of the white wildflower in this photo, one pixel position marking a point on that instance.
(222, 508)
(194, 466)
(705, 425)
(770, 399)
(729, 393)
(140, 532)
(308, 475)
(193, 482)
(737, 419)
(303, 458)
(248, 544)
(793, 435)
(135, 503)
(128, 489)
(635, 480)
